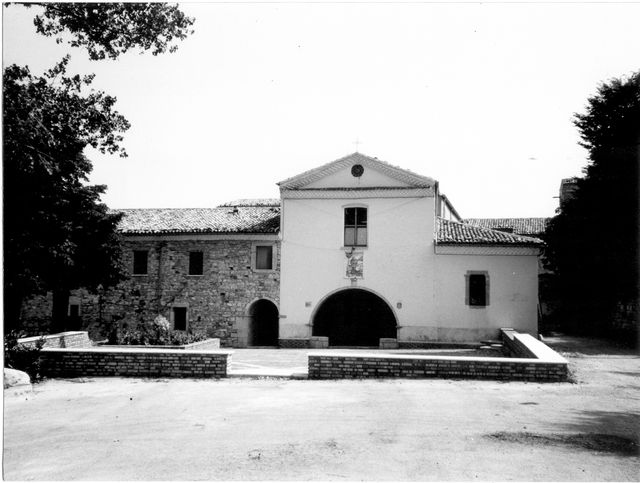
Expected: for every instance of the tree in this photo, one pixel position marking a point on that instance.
(592, 244)
(110, 29)
(57, 234)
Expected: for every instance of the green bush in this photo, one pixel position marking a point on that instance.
(22, 357)
(157, 332)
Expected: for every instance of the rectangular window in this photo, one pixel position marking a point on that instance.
(74, 310)
(264, 257)
(195, 263)
(355, 227)
(140, 262)
(179, 318)
(477, 289)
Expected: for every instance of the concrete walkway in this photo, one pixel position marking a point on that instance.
(293, 363)
(267, 362)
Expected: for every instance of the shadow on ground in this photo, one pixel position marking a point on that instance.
(602, 431)
(603, 443)
(576, 346)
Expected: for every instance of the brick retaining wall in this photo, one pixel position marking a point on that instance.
(543, 365)
(73, 339)
(100, 362)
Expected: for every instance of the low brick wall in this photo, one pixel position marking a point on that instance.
(75, 339)
(101, 362)
(526, 346)
(544, 366)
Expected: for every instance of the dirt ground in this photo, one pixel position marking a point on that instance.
(270, 429)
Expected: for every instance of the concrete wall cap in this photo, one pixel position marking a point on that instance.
(120, 350)
(370, 355)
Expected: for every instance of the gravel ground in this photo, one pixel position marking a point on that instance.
(269, 429)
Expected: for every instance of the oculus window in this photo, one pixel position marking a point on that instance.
(355, 227)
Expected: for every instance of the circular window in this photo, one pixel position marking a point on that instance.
(357, 170)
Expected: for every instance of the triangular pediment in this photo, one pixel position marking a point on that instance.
(340, 174)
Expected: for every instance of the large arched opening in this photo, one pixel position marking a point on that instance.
(263, 323)
(354, 317)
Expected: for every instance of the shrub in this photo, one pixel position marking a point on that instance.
(157, 332)
(23, 357)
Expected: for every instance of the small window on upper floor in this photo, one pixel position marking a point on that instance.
(140, 258)
(264, 257)
(477, 289)
(196, 264)
(355, 227)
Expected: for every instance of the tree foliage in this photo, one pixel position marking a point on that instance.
(111, 29)
(592, 244)
(57, 234)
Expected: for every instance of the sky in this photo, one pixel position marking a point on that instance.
(479, 96)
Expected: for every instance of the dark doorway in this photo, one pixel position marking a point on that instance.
(354, 317)
(263, 324)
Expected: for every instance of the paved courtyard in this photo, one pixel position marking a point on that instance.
(279, 429)
(292, 362)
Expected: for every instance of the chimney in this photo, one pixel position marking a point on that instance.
(568, 187)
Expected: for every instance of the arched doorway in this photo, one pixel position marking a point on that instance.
(263, 323)
(354, 317)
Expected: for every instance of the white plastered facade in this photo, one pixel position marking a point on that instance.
(423, 284)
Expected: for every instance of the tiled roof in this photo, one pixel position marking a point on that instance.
(223, 219)
(254, 202)
(519, 226)
(456, 233)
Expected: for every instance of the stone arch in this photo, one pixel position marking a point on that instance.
(354, 316)
(263, 321)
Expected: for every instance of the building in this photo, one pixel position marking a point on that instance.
(373, 251)
(355, 250)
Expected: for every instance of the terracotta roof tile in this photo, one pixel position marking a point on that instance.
(223, 219)
(519, 226)
(254, 202)
(456, 233)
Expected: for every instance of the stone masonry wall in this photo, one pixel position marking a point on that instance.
(214, 300)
